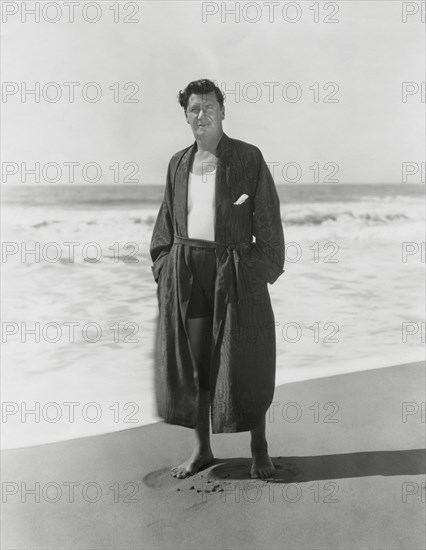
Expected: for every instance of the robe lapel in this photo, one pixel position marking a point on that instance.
(181, 192)
(222, 196)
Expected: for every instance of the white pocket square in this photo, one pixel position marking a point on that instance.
(241, 199)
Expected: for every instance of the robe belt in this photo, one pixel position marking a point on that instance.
(232, 251)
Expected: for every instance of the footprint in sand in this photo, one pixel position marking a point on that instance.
(234, 469)
(160, 479)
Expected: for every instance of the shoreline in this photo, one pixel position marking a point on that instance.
(293, 376)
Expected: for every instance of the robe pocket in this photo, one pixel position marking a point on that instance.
(162, 290)
(241, 214)
(255, 282)
(158, 266)
(244, 204)
(258, 289)
(255, 268)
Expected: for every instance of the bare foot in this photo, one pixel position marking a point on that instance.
(261, 464)
(195, 462)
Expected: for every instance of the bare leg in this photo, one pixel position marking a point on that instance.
(200, 336)
(261, 463)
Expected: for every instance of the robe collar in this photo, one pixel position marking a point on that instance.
(222, 149)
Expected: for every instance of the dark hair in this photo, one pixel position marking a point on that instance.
(202, 86)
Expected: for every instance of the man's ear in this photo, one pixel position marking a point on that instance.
(223, 112)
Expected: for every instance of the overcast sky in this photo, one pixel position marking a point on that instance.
(366, 56)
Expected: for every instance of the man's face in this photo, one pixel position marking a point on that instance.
(204, 115)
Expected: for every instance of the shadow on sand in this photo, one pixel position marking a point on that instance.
(307, 468)
(337, 466)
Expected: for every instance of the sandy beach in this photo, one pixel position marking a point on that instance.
(350, 473)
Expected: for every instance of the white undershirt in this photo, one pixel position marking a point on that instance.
(201, 206)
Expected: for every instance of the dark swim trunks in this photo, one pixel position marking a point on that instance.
(201, 304)
(203, 268)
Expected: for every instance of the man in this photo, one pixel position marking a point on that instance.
(215, 335)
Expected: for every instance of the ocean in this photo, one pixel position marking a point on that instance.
(79, 300)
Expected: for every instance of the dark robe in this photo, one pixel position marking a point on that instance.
(242, 373)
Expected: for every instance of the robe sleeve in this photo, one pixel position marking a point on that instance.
(162, 236)
(267, 256)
